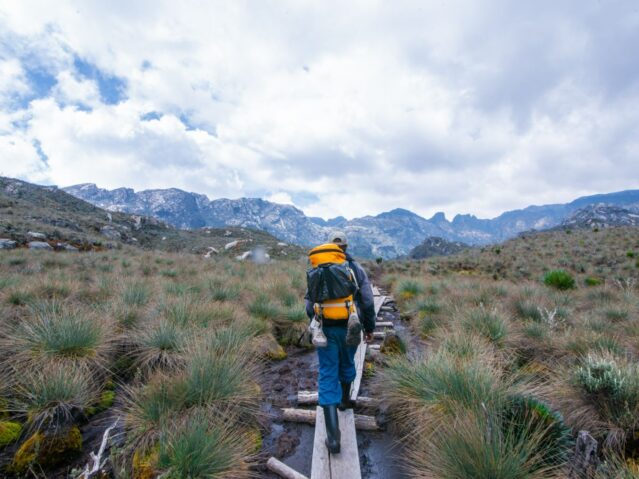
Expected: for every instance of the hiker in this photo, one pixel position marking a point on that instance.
(336, 359)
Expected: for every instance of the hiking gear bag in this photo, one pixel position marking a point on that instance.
(331, 282)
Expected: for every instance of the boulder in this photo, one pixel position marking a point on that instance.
(110, 232)
(7, 243)
(36, 235)
(231, 245)
(39, 245)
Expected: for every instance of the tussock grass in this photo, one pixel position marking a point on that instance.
(54, 397)
(55, 331)
(199, 447)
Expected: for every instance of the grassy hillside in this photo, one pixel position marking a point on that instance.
(170, 344)
(525, 344)
(62, 218)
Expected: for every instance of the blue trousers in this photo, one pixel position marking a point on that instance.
(336, 364)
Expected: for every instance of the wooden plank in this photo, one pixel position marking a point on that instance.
(282, 470)
(360, 356)
(379, 300)
(374, 347)
(375, 291)
(384, 324)
(379, 334)
(320, 465)
(311, 397)
(345, 465)
(309, 416)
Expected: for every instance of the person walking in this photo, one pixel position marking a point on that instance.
(337, 359)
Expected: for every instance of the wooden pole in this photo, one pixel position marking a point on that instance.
(311, 397)
(365, 423)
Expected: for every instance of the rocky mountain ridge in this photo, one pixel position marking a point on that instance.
(435, 246)
(389, 234)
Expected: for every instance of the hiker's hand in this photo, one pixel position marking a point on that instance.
(368, 337)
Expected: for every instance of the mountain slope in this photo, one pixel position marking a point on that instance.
(62, 218)
(388, 234)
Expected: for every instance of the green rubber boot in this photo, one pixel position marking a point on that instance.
(332, 429)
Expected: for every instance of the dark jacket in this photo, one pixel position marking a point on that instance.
(363, 299)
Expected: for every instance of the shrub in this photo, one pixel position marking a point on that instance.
(630, 254)
(592, 281)
(613, 386)
(559, 279)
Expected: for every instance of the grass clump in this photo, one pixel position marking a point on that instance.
(160, 346)
(54, 331)
(488, 324)
(54, 397)
(410, 288)
(201, 448)
(559, 279)
(136, 294)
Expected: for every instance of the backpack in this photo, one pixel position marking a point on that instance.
(331, 283)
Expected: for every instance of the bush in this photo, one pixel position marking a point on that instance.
(592, 281)
(559, 279)
(613, 386)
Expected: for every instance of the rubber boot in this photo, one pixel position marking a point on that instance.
(332, 429)
(346, 397)
(354, 331)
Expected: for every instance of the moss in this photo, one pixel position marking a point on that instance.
(47, 451)
(9, 432)
(106, 400)
(145, 463)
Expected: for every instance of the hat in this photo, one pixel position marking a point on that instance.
(338, 237)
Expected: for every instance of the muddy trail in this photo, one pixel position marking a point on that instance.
(380, 453)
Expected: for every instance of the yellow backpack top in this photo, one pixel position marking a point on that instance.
(324, 255)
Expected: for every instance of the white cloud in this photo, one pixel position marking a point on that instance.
(454, 106)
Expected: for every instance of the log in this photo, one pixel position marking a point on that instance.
(365, 423)
(283, 470)
(310, 397)
(585, 459)
(374, 347)
(384, 324)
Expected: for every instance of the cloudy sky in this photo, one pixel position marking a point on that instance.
(347, 108)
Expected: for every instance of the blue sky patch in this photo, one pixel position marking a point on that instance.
(152, 115)
(112, 88)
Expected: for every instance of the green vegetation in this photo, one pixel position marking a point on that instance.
(512, 369)
(116, 336)
(559, 279)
